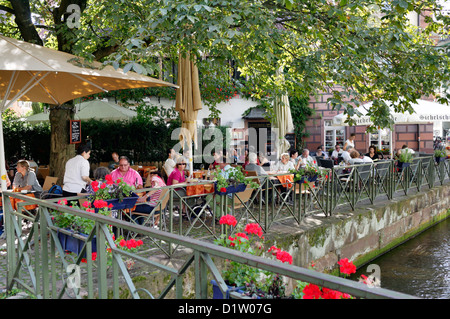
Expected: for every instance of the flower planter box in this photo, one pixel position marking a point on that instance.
(308, 178)
(439, 159)
(403, 165)
(73, 244)
(230, 189)
(126, 203)
(217, 293)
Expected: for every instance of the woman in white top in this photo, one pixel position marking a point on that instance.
(76, 175)
(284, 165)
(350, 141)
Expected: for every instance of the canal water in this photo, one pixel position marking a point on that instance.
(419, 267)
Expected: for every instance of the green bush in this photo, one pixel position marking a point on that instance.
(141, 139)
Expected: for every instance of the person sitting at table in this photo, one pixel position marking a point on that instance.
(373, 154)
(263, 161)
(169, 164)
(355, 158)
(346, 154)
(151, 198)
(115, 161)
(284, 164)
(76, 175)
(305, 159)
(252, 166)
(129, 175)
(99, 176)
(218, 160)
(177, 177)
(320, 152)
(293, 156)
(25, 178)
(336, 152)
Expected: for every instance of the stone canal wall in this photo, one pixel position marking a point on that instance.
(365, 233)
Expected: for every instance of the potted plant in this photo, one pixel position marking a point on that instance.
(308, 173)
(76, 224)
(404, 159)
(246, 280)
(117, 194)
(440, 155)
(231, 181)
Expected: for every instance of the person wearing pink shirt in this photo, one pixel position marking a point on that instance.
(129, 175)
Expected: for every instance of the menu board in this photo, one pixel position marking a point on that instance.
(75, 131)
(291, 138)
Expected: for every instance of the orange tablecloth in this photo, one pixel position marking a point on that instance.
(286, 180)
(198, 174)
(15, 201)
(199, 189)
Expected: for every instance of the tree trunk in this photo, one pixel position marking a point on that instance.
(60, 149)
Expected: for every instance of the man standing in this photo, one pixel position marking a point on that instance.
(76, 176)
(169, 165)
(129, 175)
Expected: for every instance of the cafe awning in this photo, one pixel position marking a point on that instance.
(424, 112)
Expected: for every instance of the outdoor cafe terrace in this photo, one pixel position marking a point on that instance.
(278, 197)
(272, 199)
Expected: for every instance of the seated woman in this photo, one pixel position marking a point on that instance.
(151, 198)
(373, 154)
(99, 176)
(284, 165)
(25, 178)
(177, 177)
(355, 158)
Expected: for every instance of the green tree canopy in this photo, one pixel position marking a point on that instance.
(360, 50)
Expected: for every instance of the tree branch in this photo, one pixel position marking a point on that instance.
(7, 9)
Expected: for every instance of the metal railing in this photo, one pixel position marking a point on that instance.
(270, 203)
(37, 262)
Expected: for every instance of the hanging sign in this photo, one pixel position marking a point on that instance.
(75, 131)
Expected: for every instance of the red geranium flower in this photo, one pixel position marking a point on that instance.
(228, 220)
(254, 228)
(347, 267)
(312, 291)
(100, 203)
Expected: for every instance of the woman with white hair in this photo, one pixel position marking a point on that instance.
(25, 178)
(284, 164)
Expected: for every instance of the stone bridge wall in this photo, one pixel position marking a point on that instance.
(365, 233)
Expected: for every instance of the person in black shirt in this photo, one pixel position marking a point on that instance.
(373, 154)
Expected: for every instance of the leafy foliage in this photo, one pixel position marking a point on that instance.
(357, 50)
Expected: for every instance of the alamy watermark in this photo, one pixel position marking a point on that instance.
(73, 20)
(213, 141)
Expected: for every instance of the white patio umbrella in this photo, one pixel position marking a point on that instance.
(30, 72)
(95, 109)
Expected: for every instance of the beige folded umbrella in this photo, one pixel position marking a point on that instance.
(188, 101)
(283, 118)
(30, 72)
